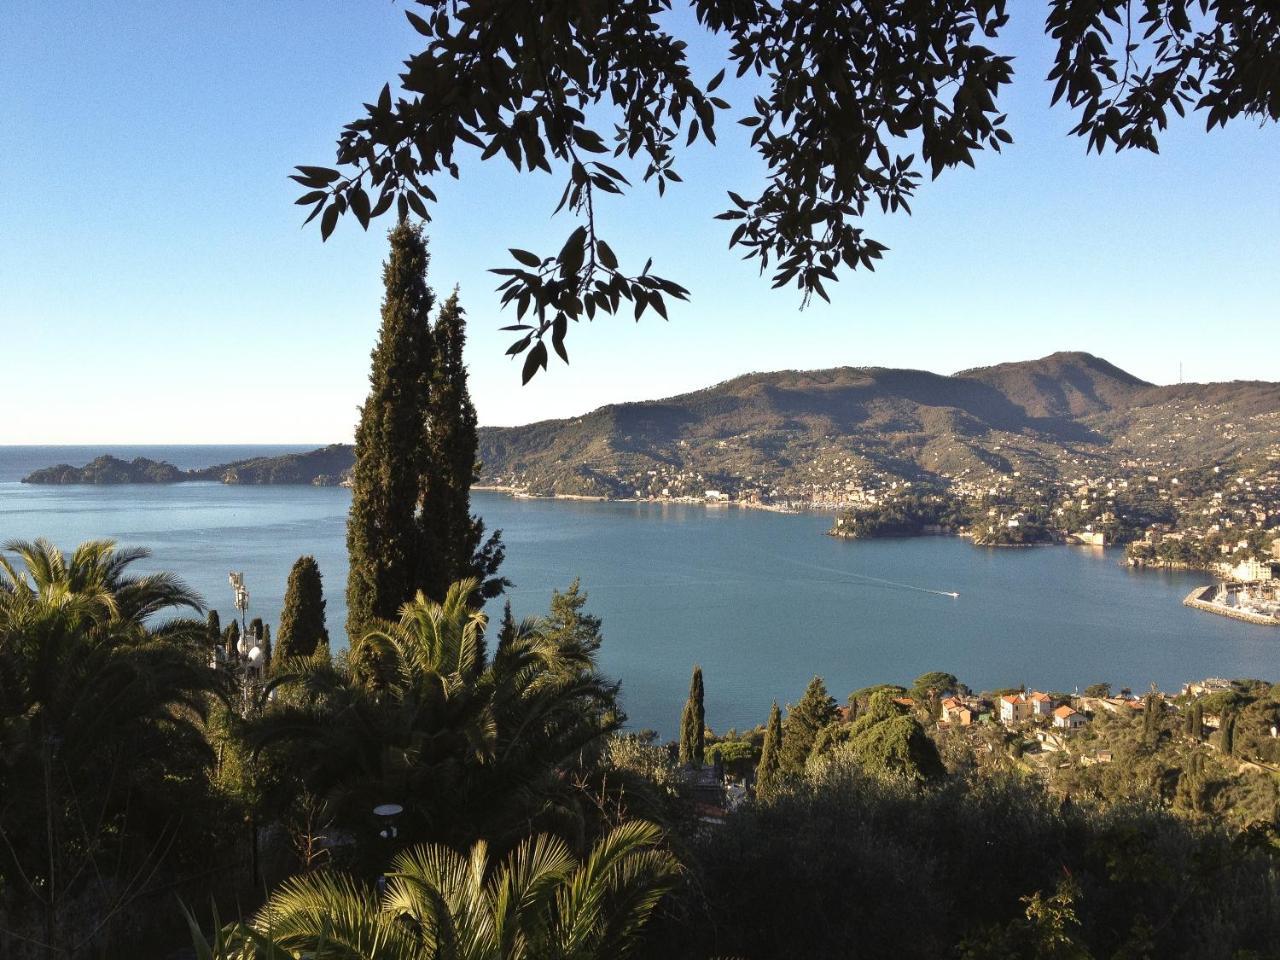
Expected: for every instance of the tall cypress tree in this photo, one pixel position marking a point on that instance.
(767, 772)
(1151, 708)
(384, 538)
(815, 710)
(693, 723)
(213, 625)
(507, 626)
(453, 534)
(302, 628)
(231, 636)
(1227, 733)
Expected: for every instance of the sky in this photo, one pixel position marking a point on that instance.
(156, 284)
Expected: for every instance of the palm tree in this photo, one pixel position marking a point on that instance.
(471, 746)
(541, 902)
(100, 721)
(95, 575)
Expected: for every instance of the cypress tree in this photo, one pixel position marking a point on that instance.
(265, 642)
(232, 638)
(1197, 726)
(693, 723)
(255, 631)
(815, 710)
(507, 627)
(383, 534)
(768, 771)
(451, 534)
(302, 627)
(1151, 705)
(1227, 733)
(213, 624)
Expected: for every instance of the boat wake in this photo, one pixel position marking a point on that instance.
(846, 576)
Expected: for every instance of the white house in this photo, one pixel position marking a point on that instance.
(1018, 707)
(1041, 704)
(1067, 719)
(1014, 708)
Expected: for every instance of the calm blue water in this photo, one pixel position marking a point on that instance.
(763, 601)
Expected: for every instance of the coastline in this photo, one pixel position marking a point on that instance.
(520, 493)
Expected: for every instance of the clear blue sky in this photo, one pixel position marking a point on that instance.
(155, 285)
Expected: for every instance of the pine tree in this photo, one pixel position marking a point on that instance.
(302, 628)
(693, 723)
(384, 538)
(568, 626)
(768, 771)
(452, 535)
(815, 710)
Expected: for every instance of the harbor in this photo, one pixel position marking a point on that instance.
(1251, 605)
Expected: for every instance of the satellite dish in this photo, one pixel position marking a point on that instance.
(255, 654)
(388, 810)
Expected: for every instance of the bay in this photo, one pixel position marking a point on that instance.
(763, 601)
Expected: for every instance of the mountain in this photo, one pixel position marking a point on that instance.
(1061, 384)
(813, 436)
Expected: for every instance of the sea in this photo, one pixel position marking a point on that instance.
(762, 601)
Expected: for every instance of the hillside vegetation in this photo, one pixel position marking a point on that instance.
(815, 435)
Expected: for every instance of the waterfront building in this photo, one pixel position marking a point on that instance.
(1252, 571)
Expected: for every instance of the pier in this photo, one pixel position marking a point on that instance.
(1200, 599)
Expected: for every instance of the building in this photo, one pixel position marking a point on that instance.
(1014, 708)
(956, 711)
(1251, 571)
(1041, 704)
(1019, 707)
(1066, 718)
(1208, 685)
